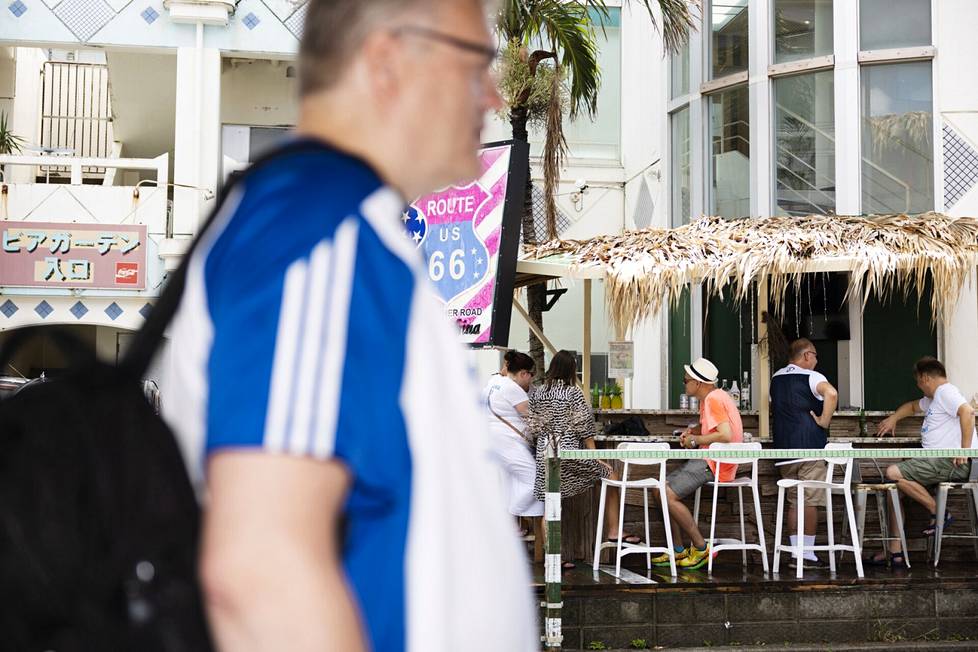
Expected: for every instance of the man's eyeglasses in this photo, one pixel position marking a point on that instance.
(486, 51)
(687, 381)
(815, 353)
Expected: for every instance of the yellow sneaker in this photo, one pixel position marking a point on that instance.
(663, 559)
(695, 558)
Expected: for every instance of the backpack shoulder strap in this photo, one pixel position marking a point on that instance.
(146, 342)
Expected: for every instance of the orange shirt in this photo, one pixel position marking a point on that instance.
(715, 409)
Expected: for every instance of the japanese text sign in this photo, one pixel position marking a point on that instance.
(42, 254)
(469, 235)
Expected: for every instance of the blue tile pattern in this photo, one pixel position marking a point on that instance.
(113, 311)
(84, 17)
(79, 310)
(43, 309)
(17, 8)
(145, 310)
(296, 21)
(9, 308)
(960, 166)
(149, 15)
(251, 21)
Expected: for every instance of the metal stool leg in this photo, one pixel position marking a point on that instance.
(800, 538)
(884, 525)
(664, 503)
(973, 503)
(648, 537)
(713, 524)
(760, 526)
(939, 522)
(830, 526)
(743, 530)
(858, 552)
(777, 529)
(898, 522)
(597, 536)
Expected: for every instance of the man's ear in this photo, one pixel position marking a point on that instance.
(380, 61)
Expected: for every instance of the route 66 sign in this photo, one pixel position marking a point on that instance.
(457, 258)
(469, 252)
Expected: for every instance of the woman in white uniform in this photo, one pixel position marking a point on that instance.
(505, 397)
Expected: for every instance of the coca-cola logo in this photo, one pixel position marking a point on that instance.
(127, 273)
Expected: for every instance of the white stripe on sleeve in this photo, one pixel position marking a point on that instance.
(286, 343)
(333, 354)
(307, 360)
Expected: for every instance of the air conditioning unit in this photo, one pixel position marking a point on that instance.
(207, 12)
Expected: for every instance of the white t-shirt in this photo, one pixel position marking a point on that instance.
(942, 427)
(503, 394)
(814, 378)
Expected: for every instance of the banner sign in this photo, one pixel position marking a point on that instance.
(43, 254)
(621, 359)
(470, 235)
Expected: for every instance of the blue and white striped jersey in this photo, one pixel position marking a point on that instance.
(308, 327)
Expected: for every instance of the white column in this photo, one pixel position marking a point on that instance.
(26, 114)
(650, 374)
(699, 144)
(197, 144)
(960, 334)
(848, 175)
(848, 168)
(761, 165)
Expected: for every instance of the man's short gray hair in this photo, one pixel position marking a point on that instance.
(334, 31)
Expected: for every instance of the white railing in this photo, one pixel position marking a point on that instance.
(76, 164)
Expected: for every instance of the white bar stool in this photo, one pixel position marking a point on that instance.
(828, 487)
(880, 491)
(741, 482)
(622, 548)
(942, 492)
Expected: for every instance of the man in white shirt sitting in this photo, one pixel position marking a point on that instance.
(949, 422)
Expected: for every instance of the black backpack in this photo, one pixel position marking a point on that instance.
(99, 523)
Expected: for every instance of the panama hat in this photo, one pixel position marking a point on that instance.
(702, 370)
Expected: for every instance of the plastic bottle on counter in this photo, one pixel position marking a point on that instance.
(684, 401)
(745, 394)
(862, 423)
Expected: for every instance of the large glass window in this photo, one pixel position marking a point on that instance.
(728, 40)
(897, 138)
(679, 140)
(600, 138)
(730, 153)
(802, 29)
(804, 143)
(885, 24)
(679, 72)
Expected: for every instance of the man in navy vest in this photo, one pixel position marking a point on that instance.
(802, 401)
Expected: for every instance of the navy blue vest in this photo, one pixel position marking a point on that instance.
(792, 402)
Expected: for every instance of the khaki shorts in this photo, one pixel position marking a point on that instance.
(814, 470)
(929, 471)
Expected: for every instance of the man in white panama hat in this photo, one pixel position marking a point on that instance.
(719, 421)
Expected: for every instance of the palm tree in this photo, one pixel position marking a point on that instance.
(541, 93)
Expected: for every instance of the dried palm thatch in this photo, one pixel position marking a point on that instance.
(649, 268)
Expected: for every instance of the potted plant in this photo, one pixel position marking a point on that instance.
(10, 143)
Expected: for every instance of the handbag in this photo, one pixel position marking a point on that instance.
(526, 437)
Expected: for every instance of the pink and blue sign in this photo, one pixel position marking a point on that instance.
(470, 235)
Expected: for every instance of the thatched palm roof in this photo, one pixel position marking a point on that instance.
(647, 268)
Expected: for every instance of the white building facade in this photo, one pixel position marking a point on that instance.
(764, 113)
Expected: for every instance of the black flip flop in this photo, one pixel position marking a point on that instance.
(625, 539)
